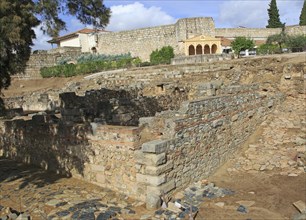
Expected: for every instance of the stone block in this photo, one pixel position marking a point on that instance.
(166, 187)
(234, 118)
(217, 123)
(153, 201)
(156, 146)
(151, 180)
(97, 168)
(153, 170)
(150, 159)
(100, 178)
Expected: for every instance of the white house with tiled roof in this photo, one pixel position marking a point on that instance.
(85, 39)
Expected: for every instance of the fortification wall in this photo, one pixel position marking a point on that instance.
(258, 33)
(141, 42)
(47, 59)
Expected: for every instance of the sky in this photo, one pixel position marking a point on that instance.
(128, 14)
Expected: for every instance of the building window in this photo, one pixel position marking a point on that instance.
(94, 50)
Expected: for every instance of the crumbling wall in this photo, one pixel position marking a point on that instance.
(198, 138)
(113, 163)
(116, 107)
(47, 59)
(46, 142)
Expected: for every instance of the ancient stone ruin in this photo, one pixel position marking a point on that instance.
(148, 131)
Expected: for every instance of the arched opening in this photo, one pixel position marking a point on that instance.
(94, 50)
(213, 48)
(206, 49)
(199, 49)
(191, 50)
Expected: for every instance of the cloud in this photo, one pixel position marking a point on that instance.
(136, 15)
(40, 43)
(254, 13)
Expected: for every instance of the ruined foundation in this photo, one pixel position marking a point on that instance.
(152, 138)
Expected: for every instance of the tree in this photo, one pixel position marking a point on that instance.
(303, 14)
(279, 39)
(274, 21)
(242, 43)
(19, 17)
(16, 34)
(297, 43)
(162, 56)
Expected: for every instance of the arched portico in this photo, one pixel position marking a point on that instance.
(202, 45)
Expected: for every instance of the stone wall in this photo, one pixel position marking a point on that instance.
(200, 58)
(49, 58)
(200, 116)
(141, 42)
(163, 153)
(258, 33)
(198, 138)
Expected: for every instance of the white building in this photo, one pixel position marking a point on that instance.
(86, 39)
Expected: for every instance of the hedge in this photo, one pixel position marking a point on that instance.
(68, 70)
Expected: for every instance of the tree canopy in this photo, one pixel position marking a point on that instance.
(297, 43)
(274, 20)
(242, 43)
(303, 14)
(19, 17)
(280, 39)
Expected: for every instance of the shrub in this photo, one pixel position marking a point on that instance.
(146, 63)
(84, 58)
(68, 70)
(267, 49)
(242, 43)
(162, 56)
(297, 43)
(136, 62)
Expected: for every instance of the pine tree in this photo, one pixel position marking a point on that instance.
(303, 14)
(274, 21)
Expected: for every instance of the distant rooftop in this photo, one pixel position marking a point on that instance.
(74, 34)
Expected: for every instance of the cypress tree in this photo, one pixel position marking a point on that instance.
(274, 21)
(303, 14)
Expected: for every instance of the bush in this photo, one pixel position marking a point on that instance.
(267, 49)
(68, 70)
(146, 63)
(136, 62)
(162, 56)
(297, 43)
(242, 43)
(101, 57)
